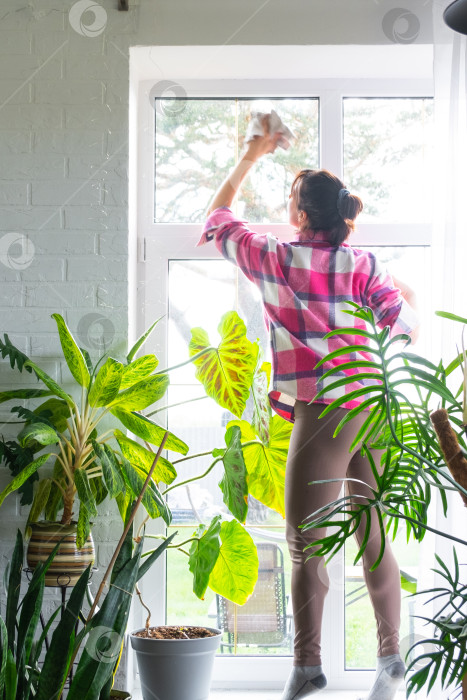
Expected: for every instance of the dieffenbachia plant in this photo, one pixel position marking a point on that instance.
(93, 462)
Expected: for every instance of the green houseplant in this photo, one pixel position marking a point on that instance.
(401, 393)
(253, 455)
(23, 673)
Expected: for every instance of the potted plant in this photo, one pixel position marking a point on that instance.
(423, 450)
(84, 465)
(23, 672)
(253, 456)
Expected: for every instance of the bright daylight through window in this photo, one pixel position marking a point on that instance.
(386, 146)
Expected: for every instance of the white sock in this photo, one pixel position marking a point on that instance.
(303, 682)
(390, 672)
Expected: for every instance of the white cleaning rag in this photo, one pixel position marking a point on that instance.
(255, 128)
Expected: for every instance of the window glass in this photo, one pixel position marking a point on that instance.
(388, 157)
(200, 291)
(197, 141)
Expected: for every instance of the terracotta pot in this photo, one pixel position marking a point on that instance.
(176, 669)
(69, 562)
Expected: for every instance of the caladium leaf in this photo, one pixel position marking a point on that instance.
(106, 385)
(236, 570)
(138, 369)
(146, 429)
(265, 462)
(226, 372)
(203, 555)
(234, 482)
(142, 458)
(73, 355)
(142, 394)
(261, 406)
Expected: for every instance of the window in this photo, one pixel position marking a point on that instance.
(377, 135)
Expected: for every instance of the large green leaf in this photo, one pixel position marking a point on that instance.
(153, 500)
(110, 468)
(23, 394)
(50, 383)
(138, 369)
(146, 429)
(143, 393)
(203, 555)
(73, 355)
(142, 458)
(37, 432)
(4, 647)
(236, 570)
(226, 372)
(85, 494)
(83, 527)
(234, 481)
(14, 586)
(55, 666)
(16, 356)
(23, 475)
(451, 317)
(106, 385)
(265, 463)
(57, 412)
(106, 633)
(261, 405)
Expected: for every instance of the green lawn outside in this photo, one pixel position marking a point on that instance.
(360, 639)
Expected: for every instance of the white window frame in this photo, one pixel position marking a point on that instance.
(254, 71)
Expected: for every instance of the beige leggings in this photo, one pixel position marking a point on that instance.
(313, 455)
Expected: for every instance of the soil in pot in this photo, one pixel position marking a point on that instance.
(175, 662)
(168, 632)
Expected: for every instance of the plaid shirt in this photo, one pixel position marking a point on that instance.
(304, 287)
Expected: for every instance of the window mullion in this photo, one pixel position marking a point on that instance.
(331, 131)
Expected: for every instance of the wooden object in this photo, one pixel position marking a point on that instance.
(449, 444)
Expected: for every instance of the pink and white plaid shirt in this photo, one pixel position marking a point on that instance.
(304, 287)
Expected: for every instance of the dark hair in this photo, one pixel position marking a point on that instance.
(316, 192)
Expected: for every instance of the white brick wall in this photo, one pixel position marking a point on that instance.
(64, 165)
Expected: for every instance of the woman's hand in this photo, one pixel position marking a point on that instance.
(260, 145)
(267, 143)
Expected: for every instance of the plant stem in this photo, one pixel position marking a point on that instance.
(186, 362)
(148, 619)
(173, 405)
(194, 478)
(199, 454)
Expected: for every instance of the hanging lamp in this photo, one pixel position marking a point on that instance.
(455, 16)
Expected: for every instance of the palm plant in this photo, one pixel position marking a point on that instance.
(400, 390)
